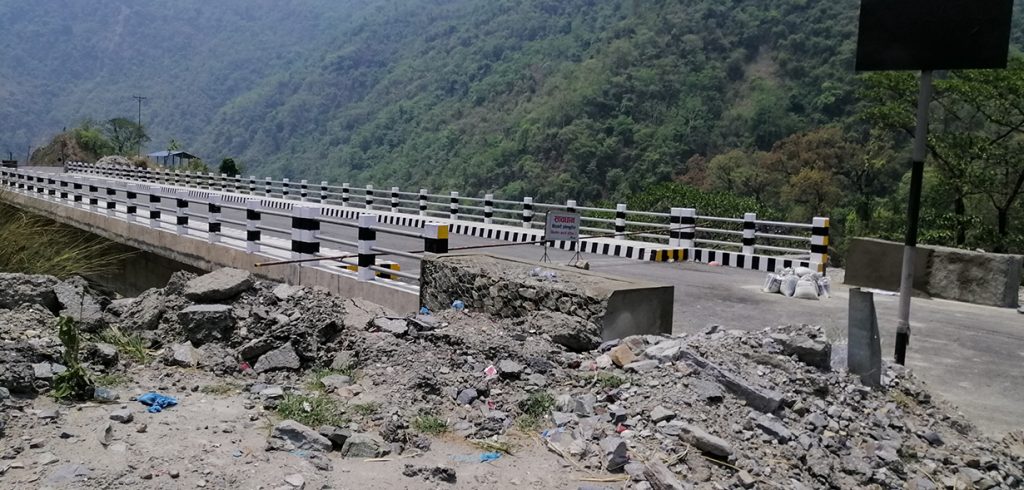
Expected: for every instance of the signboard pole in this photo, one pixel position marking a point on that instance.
(924, 97)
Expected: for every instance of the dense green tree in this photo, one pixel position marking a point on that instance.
(229, 167)
(125, 136)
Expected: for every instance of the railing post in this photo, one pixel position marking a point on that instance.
(51, 188)
(252, 225)
(749, 230)
(620, 221)
(268, 187)
(213, 232)
(435, 238)
(570, 206)
(367, 240)
(369, 197)
(423, 202)
(675, 222)
(323, 192)
(111, 203)
(453, 210)
(223, 182)
(177, 177)
(819, 243)
(252, 185)
(63, 189)
(284, 188)
(154, 207)
(131, 207)
(527, 211)
(303, 190)
(688, 221)
(394, 199)
(94, 201)
(181, 207)
(237, 183)
(305, 228)
(488, 208)
(77, 186)
(344, 194)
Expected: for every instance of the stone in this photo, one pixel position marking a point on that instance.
(43, 370)
(509, 369)
(336, 381)
(46, 459)
(621, 355)
(295, 480)
(363, 446)
(707, 390)
(76, 302)
(614, 453)
(562, 419)
(760, 399)
(572, 332)
(219, 285)
(660, 413)
(436, 473)
(271, 392)
(662, 478)
(933, 438)
(105, 434)
(813, 352)
(817, 419)
(285, 291)
(603, 361)
(395, 326)
(67, 473)
(5, 394)
(702, 440)
(255, 348)
(665, 351)
(467, 396)
(283, 357)
(641, 366)
(745, 479)
(290, 435)
(344, 360)
(336, 435)
(48, 414)
(975, 277)
(123, 416)
(102, 353)
(206, 323)
(771, 426)
(538, 380)
(145, 312)
(18, 289)
(184, 355)
(584, 405)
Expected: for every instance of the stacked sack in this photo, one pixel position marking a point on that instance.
(800, 283)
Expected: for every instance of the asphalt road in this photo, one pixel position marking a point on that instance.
(972, 356)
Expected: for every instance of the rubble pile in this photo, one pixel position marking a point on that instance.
(801, 282)
(719, 409)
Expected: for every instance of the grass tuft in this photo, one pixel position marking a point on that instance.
(429, 423)
(312, 410)
(365, 409)
(314, 381)
(609, 380)
(538, 404)
(112, 380)
(131, 346)
(76, 382)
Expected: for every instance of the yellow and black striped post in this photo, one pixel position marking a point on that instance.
(435, 238)
(268, 187)
(303, 190)
(305, 228)
(284, 188)
(323, 192)
(819, 243)
(252, 226)
(344, 194)
(252, 185)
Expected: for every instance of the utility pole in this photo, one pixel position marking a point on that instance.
(140, 99)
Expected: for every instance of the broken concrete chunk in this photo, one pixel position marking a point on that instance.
(760, 399)
(291, 435)
(662, 478)
(123, 416)
(467, 396)
(702, 440)
(622, 355)
(641, 366)
(363, 446)
(218, 285)
(283, 357)
(584, 406)
(614, 453)
(773, 427)
(397, 327)
(206, 323)
(665, 351)
(813, 352)
(184, 355)
(660, 413)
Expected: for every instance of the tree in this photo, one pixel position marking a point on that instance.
(125, 135)
(229, 167)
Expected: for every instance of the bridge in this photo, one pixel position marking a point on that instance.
(967, 352)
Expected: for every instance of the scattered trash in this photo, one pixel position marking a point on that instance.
(491, 372)
(486, 457)
(458, 305)
(157, 402)
(544, 274)
(424, 310)
(480, 458)
(101, 394)
(800, 283)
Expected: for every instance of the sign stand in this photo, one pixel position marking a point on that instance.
(545, 258)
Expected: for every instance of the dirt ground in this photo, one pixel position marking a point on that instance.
(211, 441)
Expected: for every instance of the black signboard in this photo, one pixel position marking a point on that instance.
(933, 34)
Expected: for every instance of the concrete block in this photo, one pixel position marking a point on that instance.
(975, 277)
(873, 263)
(864, 351)
(508, 288)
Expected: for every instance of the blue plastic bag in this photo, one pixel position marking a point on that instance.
(458, 305)
(156, 402)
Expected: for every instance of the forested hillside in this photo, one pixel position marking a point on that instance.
(748, 102)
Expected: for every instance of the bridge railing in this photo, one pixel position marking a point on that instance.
(680, 227)
(283, 233)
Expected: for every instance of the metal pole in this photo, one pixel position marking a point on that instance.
(913, 214)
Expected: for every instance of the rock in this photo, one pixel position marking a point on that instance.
(255, 348)
(295, 480)
(291, 435)
(700, 439)
(538, 380)
(509, 369)
(771, 426)
(562, 419)
(572, 332)
(67, 473)
(283, 357)
(102, 353)
(665, 351)
(105, 395)
(43, 370)
(621, 355)
(813, 352)
(760, 399)
(707, 390)
(660, 413)
(123, 416)
(397, 327)
(76, 302)
(363, 446)
(467, 396)
(435, 473)
(817, 419)
(584, 406)
(46, 459)
(745, 479)
(284, 291)
(206, 323)
(335, 381)
(933, 438)
(18, 289)
(336, 435)
(603, 361)
(48, 414)
(344, 360)
(219, 285)
(641, 366)
(105, 434)
(5, 394)
(184, 355)
(145, 312)
(614, 453)
(662, 478)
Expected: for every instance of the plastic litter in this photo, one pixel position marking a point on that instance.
(101, 394)
(485, 457)
(825, 287)
(424, 310)
(157, 402)
(772, 283)
(491, 372)
(458, 305)
(480, 458)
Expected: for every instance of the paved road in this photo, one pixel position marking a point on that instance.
(973, 356)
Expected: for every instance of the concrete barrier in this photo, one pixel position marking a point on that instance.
(941, 272)
(509, 288)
